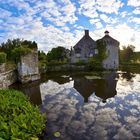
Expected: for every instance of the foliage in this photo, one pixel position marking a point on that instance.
(102, 52)
(18, 52)
(96, 61)
(136, 57)
(95, 64)
(127, 53)
(42, 56)
(55, 62)
(57, 54)
(19, 119)
(57, 134)
(10, 45)
(2, 57)
(80, 63)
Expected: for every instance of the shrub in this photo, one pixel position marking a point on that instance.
(80, 63)
(19, 119)
(2, 57)
(94, 64)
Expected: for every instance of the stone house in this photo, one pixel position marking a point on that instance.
(87, 48)
(84, 49)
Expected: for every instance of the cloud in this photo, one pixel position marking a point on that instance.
(111, 6)
(135, 20)
(89, 8)
(134, 3)
(136, 11)
(4, 13)
(61, 23)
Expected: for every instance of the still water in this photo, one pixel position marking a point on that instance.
(88, 106)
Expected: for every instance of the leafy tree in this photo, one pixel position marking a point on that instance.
(57, 54)
(18, 52)
(10, 45)
(126, 55)
(42, 56)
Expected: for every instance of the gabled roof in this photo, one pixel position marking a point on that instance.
(86, 39)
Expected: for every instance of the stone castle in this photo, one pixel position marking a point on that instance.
(87, 48)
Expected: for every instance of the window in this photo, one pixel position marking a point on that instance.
(96, 51)
(77, 50)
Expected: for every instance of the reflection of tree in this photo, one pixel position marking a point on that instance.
(128, 76)
(32, 90)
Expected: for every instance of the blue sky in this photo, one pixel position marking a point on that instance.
(53, 23)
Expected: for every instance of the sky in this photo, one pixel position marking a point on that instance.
(53, 23)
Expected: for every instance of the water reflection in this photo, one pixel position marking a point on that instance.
(102, 106)
(66, 111)
(30, 89)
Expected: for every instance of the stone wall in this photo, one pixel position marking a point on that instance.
(8, 78)
(2, 67)
(28, 67)
(66, 67)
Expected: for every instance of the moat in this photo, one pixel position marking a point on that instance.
(88, 106)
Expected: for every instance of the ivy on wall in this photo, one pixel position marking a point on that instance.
(97, 60)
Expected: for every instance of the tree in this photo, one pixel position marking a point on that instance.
(42, 56)
(11, 45)
(126, 55)
(57, 54)
(18, 52)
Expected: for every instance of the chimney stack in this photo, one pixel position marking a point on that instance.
(86, 33)
(106, 32)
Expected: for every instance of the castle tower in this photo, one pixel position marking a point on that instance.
(112, 48)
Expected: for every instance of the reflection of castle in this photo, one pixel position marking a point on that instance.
(104, 88)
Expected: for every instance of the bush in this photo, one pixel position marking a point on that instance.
(2, 57)
(19, 119)
(94, 64)
(80, 63)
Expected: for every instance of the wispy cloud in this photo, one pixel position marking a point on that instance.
(53, 23)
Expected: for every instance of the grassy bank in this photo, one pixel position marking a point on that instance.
(19, 119)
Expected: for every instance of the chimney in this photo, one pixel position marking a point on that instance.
(106, 32)
(86, 33)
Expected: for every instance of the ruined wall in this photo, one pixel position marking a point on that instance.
(7, 78)
(2, 67)
(28, 67)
